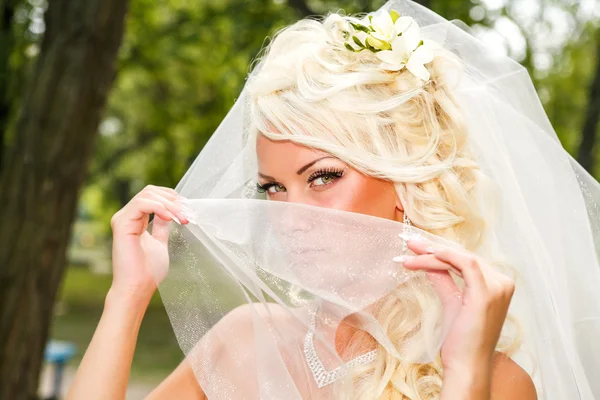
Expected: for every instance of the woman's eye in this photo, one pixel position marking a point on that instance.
(270, 188)
(276, 189)
(323, 180)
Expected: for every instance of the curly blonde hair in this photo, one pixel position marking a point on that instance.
(311, 90)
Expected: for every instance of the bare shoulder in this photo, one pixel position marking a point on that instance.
(183, 383)
(244, 314)
(510, 381)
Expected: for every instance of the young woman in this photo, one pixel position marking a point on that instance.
(361, 123)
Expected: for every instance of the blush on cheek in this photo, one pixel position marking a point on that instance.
(361, 194)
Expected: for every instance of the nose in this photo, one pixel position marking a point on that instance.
(295, 220)
(300, 196)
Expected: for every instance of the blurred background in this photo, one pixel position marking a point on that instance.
(99, 98)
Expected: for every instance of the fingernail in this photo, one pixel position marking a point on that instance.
(404, 236)
(410, 236)
(175, 219)
(430, 250)
(403, 259)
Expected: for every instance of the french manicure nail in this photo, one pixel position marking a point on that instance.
(404, 236)
(410, 236)
(402, 259)
(176, 219)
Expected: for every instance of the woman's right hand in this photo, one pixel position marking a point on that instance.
(140, 259)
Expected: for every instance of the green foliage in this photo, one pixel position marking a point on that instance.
(181, 66)
(79, 310)
(560, 87)
(183, 63)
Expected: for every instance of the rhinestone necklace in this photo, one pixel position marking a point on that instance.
(320, 374)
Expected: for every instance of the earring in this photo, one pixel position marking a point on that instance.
(406, 220)
(405, 232)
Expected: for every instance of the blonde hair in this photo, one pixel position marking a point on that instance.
(311, 90)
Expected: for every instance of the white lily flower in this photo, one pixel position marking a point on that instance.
(410, 31)
(402, 24)
(396, 42)
(396, 58)
(416, 63)
(384, 27)
(402, 55)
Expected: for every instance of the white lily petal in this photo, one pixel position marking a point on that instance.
(412, 36)
(392, 67)
(422, 55)
(403, 23)
(384, 24)
(418, 69)
(379, 36)
(399, 46)
(390, 57)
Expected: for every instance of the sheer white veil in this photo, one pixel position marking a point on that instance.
(249, 278)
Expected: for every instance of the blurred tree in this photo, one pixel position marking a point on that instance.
(568, 86)
(7, 44)
(19, 44)
(181, 67)
(183, 63)
(585, 154)
(44, 170)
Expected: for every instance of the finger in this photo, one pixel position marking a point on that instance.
(133, 218)
(161, 229)
(142, 208)
(420, 246)
(468, 264)
(444, 286)
(168, 193)
(449, 293)
(174, 207)
(426, 262)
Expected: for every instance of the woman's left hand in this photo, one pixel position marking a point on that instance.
(479, 310)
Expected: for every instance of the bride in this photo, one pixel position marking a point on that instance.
(355, 130)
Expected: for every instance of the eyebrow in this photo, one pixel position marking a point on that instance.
(299, 172)
(267, 177)
(310, 164)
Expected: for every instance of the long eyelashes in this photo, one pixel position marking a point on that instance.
(331, 173)
(326, 172)
(263, 188)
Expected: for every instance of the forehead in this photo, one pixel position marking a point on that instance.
(278, 154)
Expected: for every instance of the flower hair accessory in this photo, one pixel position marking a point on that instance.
(395, 40)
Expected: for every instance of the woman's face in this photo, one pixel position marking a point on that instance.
(290, 172)
(317, 253)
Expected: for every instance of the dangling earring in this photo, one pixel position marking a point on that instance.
(405, 231)
(406, 220)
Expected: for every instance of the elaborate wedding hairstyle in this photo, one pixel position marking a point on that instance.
(312, 90)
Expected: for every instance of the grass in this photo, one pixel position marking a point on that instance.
(81, 302)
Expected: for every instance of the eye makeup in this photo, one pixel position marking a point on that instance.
(326, 175)
(267, 186)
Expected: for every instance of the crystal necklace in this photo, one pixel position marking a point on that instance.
(320, 374)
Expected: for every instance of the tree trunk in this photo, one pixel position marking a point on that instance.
(7, 11)
(585, 155)
(39, 187)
